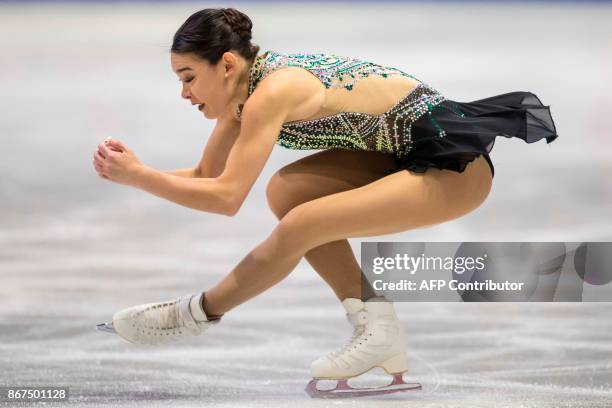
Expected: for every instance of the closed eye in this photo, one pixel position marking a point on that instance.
(187, 80)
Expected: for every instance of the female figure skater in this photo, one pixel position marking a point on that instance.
(396, 155)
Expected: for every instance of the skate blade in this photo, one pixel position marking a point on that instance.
(106, 327)
(344, 390)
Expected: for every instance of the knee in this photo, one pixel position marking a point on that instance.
(278, 195)
(294, 231)
(303, 228)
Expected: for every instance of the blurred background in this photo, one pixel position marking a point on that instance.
(75, 248)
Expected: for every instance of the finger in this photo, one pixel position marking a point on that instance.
(104, 150)
(103, 175)
(117, 144)
(101, 152)
(98, 156)
(110, 142)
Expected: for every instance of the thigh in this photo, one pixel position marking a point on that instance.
(324, 173)
(395, 203)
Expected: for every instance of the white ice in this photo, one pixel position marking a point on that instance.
(75, 248)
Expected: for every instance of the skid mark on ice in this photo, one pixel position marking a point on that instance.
(467, 357)
(574, 369)
(435, 372)
(552, 344)
(480, 382)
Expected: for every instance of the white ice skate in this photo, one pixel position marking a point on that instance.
(378, 341)
(159, 323)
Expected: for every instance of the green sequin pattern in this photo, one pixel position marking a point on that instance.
(388, 132)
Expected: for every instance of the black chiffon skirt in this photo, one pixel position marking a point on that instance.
(471, 129)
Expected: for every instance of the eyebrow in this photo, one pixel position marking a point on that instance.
(178, 71)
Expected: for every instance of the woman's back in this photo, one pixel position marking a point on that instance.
(358, 105)
(347, 84)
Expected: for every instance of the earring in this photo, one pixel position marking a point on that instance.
(239, 110)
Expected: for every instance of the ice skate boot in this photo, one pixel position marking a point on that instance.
(159, 323)
(377, 341)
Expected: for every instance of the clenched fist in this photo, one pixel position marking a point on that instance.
(116, 162)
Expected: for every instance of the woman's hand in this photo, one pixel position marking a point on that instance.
(116, 162)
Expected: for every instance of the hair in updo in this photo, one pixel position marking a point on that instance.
(210, 32)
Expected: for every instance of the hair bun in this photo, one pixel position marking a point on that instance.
(211, 32)
(239, 22)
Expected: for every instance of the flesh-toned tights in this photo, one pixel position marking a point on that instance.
(325, 198)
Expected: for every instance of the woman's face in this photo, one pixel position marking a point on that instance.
(208, 87)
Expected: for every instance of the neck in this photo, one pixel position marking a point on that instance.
(242, 88)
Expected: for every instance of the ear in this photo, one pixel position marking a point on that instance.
(230, 62)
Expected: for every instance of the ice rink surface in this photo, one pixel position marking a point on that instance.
(74, 248)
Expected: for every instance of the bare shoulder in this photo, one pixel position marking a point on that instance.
(292, 91)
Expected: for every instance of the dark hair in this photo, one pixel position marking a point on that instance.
(210, 32)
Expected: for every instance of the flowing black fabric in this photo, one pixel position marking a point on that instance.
(515, 114)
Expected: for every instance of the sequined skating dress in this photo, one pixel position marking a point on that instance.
(422, 130)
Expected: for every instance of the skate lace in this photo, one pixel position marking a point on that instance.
(169, 318)
(358, 320)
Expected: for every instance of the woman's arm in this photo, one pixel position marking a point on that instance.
(262, 118)
(188, 173)
(204, 194)
(217, 149)
(116, 162)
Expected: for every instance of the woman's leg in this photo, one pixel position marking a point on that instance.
(398, 202)
(318, 175)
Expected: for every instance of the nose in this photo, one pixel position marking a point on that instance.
(185, 93)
